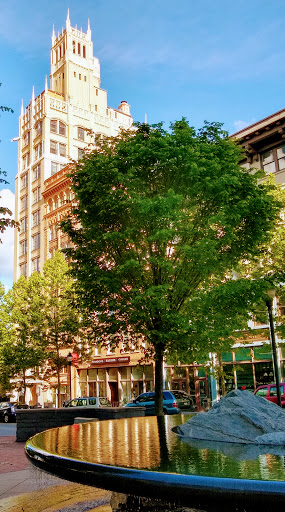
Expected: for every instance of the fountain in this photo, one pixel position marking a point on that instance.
(143, 456)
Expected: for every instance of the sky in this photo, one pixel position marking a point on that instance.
(203, 60)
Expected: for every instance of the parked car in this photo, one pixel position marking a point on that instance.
(184, 401)
(8, 411)
(146, 400)
(269, 392)
(89, 401)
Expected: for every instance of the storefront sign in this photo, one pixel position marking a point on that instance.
(111, 361)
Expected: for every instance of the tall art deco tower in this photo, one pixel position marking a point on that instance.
(52, 131)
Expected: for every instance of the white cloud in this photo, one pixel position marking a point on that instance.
(7, 199)
(240, 125)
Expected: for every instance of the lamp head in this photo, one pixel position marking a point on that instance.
(271, 293)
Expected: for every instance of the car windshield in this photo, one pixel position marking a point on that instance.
(104, 401)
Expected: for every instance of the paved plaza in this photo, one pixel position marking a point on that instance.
(24, 488)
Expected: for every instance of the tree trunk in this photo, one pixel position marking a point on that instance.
(24, 385)
(223, 384)
(158, 404)
(58, 388)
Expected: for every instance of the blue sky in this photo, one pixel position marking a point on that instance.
(215, 61)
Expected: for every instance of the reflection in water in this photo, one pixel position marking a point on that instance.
(149, 443)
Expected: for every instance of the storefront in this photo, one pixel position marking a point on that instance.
(120, 379)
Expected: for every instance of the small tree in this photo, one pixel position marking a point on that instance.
(24, 306)
(65, 325)
(161, 219)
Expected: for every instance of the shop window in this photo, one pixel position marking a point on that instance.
(148, 372)
(113, 374)
(179, 372)
(101, 373)
(245, 377)
(263, 352)
(137, 372)
(82, 375)
(227, 357)
(125, 373)
(242, 354)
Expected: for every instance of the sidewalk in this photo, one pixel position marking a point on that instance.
(24, 488)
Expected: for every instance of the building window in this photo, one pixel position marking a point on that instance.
(273, 160)
(57, 148)
(23, 269)
(53, 147)
(80, 153)
(96, 108)
(24, 224)
(268, 162)
(55, 167)
(26, 160)
(79, 49)
(84, 78)
(36, 264)
(27, 138)
(80, 133)
(24, 203)
(37, 195)
(39, 128)
(62, 149)
(57, 126)
(96, 92)
(61, 128)
(24, 181)
(38, 150)
(281, 157)
(74, 74)
(36, 218)
(73, 46)
(24, 247)
(36, 241)
(37, 172)
(84, 51)
(79, 76)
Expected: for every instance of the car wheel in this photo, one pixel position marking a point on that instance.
(6, 418)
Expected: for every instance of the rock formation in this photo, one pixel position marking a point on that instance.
(240, 417)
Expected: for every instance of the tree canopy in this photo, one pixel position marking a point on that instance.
(161, 220)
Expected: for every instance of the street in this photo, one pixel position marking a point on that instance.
(7, 429)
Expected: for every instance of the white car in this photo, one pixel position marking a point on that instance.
(89, 401)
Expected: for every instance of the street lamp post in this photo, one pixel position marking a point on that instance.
(271, 294)
(69, 360)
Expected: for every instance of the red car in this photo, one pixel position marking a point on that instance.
(269, 392)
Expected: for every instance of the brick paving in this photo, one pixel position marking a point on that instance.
(12, 455)
(24, 488)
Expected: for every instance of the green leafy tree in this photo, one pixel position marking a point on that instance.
(65, 325)
(6, 338)
(24, 305)
(161, 220)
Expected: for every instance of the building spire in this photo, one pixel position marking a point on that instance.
(33, 93)
(68, 19)
(89, 30)
(53, 36)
